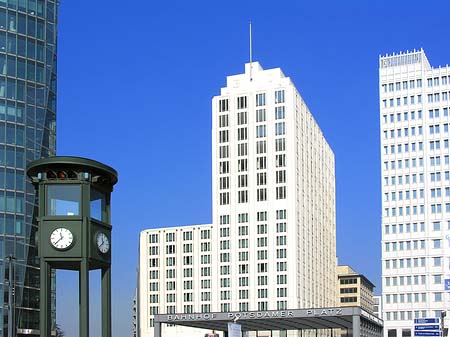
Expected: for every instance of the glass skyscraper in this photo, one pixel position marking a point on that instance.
(28, 36)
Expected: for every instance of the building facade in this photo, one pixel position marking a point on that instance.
(377, 306)
(354, 289)
(415, 171)
(28, 38)
(272, 243)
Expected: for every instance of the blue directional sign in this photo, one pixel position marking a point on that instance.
(426, 327)
(426, 320)
(427, 333)
(447, 284)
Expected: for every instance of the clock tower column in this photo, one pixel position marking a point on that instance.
(74, 230)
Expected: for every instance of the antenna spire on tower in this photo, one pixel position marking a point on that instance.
(250, 24)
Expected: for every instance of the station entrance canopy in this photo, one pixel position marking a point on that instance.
(357, 322)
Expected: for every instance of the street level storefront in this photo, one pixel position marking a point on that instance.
(356, 321)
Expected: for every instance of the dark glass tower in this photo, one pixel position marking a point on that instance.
(27, 132)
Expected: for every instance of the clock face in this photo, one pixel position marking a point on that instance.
(102, 243)
(61, 238)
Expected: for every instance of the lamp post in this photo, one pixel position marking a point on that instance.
(11, 295)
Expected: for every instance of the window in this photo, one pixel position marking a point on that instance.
(261, 163)
(260, 131)
(242, 180)
(63, 200)
(262, 229)
(280, 128)
(280, 160)
(242, 165)
(281, 214)
(242, 134)
(261, 194)
(261, 178)
(280, 144)
(279, 112)
(260, 115)
(242, 149)
(205, 234)
(98, 205)
(279, 96)
(223, 105)
(223, 121)
(242, 102)
(223, 136)
(224, 167)
(438, 297)
(224, 198)
(261, 147)
(242, 196)
(224, 151)
(281, 192)
(260, 99)
(242, 117)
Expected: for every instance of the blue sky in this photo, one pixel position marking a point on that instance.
(135, 82)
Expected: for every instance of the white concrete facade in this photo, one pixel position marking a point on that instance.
(273, 238)
(414, 127)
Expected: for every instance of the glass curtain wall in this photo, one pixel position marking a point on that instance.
(28, 36)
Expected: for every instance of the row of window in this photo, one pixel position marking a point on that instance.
(187, 248)
(32, 7)
(437, 97)
(411, 147)
(242, 133)
(243, 230)
(205, 234)
(407, 210)
(407, 179)
(260, 100)
(385, 103)
(434, 177)
(403, 163)
(434, 130)
(243, 196)
(412, 262)
(411, 84)
(408, 315)
(242, 117)
(411, 280)
(406, 132)
(206, 295)
(411, 245)
(431, 98)
(260, 216)
(261, 147)
(408, 228)
(406, 116)
(261, 179)
(403, 148)
(405, 195)
(412, 298)
(261, 164)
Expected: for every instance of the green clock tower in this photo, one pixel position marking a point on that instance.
(74, 230)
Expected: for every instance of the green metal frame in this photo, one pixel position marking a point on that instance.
(83, 255)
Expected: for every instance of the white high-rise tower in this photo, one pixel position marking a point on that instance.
(272, 244)
(414, 127)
